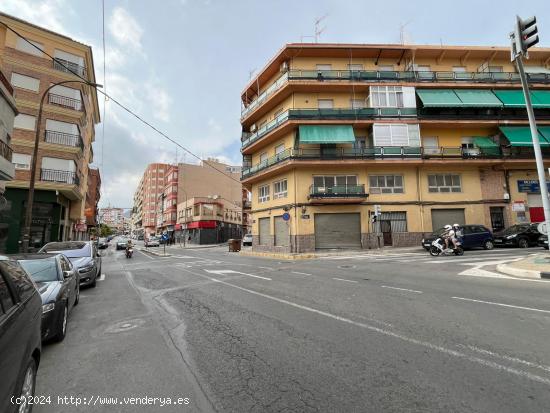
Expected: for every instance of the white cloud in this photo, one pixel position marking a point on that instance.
(125, 29)
(160, 101)
(44, 13)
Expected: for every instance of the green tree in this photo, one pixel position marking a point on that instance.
(105, 230)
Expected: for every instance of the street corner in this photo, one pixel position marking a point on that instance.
(536, 266)
(278, 256)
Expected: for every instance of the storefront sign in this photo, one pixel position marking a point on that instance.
(518, 206)
(531, 186)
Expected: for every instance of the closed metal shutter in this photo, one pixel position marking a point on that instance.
(281, 232)
(442, 217)
(338, 230)
(264, 224)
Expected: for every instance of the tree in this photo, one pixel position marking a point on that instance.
(105, 230)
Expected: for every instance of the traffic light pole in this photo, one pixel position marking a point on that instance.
(535, 136)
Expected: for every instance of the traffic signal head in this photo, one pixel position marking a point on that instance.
(526, 34)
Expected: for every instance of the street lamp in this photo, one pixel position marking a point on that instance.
(30, 198)
(185, 215)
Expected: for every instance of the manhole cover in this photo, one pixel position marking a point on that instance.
(346, 266)
(125, 325)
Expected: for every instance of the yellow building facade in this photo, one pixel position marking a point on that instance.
(362, 146)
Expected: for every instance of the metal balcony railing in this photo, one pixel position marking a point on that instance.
(54, 175)
(264, 95)
(68, 67)
(71, 103)
(337, 191)
(6, 151)
(62, 138)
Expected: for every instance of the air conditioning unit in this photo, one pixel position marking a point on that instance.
(321, 190)
(253, 127)
(284, 67)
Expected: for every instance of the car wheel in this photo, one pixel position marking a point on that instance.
(77, 298)
(94, 283)
(27, 387)
(62, 325)
(523, 243)
(488, 245)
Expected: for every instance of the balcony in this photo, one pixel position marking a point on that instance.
(6, 151)
(392, 152)
(54, 175)
(64, 101)
(7, 168)
(264, 95)
(337, 194)
(68, 67)
(62, 138)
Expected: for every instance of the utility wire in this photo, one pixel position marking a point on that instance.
(104, 84)
(138, 117)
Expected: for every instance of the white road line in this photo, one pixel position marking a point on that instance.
(402, 289)
(402, 337)
(266, 268)
(101, 277)
(508, 358)
(342, 279)
(300, 273)
(503, 305)
(145, 255)
(236, 272)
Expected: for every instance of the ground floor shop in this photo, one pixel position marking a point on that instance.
(206, 232)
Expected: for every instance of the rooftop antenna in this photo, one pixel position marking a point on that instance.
(251, 73)
(402, 32)
(318, 30)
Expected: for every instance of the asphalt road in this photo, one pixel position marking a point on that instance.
(359, 333)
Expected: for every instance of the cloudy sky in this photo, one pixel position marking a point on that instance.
(181, 64)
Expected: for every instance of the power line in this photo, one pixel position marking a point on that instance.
(138, 117)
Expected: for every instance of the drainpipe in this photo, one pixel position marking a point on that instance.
(419, 196)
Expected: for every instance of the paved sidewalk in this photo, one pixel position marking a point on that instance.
(329, 253)
(534, 266)
(159, 251)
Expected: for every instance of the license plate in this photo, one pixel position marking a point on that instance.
(498, 240)
(427, 244)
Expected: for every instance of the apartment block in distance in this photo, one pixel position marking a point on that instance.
(112, 217)
(66, 132)
(93, 195)
(332, 134)
(148, 198)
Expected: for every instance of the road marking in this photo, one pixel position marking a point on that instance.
(508, 358)
(301, 273)
(236, 272)
(145, 255)
(502, 305)
(342, 279)
(402, 289)
(266, 268)
(101, 277)
(402, 337)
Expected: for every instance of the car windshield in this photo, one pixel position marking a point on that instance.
(42, 270)
(514, 229)
(70, 250)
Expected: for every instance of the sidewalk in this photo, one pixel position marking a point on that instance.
(331, 253)
(159, 251)
(535, 266)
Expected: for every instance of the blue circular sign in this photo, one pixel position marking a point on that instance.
(286, 216)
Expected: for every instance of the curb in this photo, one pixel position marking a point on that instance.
(519, 272)
(273, 255)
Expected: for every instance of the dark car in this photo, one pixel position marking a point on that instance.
(121, 244)
(543, 241)
(520, 235)
(84, 257)
(20, 343)
(102, 243)
(473, 236)
(59, 288)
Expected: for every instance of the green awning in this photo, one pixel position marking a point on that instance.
(521, 136)
(437, 98)
(541, 98)
(326, 134)
(484, 142)
(478, 98)
(545, 131)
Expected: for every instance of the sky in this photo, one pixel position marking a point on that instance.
(182, 64)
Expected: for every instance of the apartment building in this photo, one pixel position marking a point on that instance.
(361, 146)
(148, 199)
(167, 208)
(112, 217)
(93, 194)
(208, 220)
(66, 131)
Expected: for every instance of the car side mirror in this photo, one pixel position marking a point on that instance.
(66, 274)
(98, 255)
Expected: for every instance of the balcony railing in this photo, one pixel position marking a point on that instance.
(5, 151)
(62, 138)
(393, 152)
(264, 95)
(337, 191)
(68, 67)
(54, 175)
(66, 102)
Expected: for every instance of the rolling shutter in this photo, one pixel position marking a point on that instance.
(264, 224)
(338, 230)
(281, 232)
(442, 217)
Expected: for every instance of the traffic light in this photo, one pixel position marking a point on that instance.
(526, 34)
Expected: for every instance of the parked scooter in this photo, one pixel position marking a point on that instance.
(438, 247)
(129, 252)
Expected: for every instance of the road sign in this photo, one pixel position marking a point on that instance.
(542, 228)
(286, 216)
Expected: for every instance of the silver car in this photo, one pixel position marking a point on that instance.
(83, 255)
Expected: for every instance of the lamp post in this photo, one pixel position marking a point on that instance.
(185, 215)
(30, 197)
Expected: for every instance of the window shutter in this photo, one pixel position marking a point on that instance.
(382, 135)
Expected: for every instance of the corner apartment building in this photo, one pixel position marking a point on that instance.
(426, 135)
(66, 132)
(148, 198)
(112, 217)
(93, 195)
(168, 207)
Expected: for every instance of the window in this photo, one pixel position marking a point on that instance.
(21, 161)
(58, 164)
(357, 103)
(6, 299)
(328, 182)
(25, 82)
(355, 66)
(263, 157)
(386, 96)
(279, 148)
(468, 146)
(385, 68)
(23, 121)
(325, 103)
(444, 183)
(280, 189)
(431, 145)
(396, 135)
(422, 68)
(386, 184)
(20, 279)
(208, 209)
(263, 193)
(496, 69)
(29, 47)
(322, 67)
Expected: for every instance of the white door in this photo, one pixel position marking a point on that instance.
(431, 145)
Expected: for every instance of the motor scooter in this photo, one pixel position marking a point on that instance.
(438, 247)
(129, 252)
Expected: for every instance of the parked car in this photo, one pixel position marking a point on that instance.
(121, 244)
(247, 239)
(58, 284)
(520, 235)
(102, 243)
(83, 255)
(20, 343)
(543, 241)
(473, 236)
(152, 242)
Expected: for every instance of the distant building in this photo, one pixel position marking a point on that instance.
(112, 217)
(93, 195)
(147, 198)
